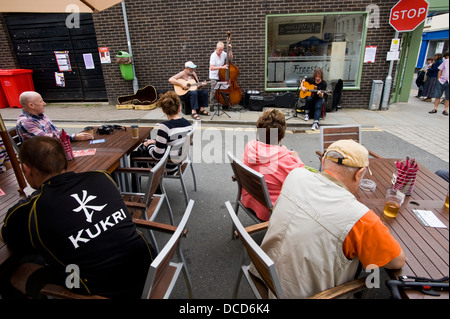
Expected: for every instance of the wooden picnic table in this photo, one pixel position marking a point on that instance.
(107, 157)
(426, 248)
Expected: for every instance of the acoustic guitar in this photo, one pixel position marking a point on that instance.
(310, 89)
(192, 85)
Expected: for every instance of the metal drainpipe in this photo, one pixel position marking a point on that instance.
(125, 19)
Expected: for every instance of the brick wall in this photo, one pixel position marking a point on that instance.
(165, 34)
(8, 58)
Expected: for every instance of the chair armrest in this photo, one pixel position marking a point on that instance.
(169, 229)
(319, 153)
(136, 170)
(64, 293)
(342, 290)
(257, 227)
(375, 155)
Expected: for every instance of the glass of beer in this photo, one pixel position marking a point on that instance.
(446, 201)
(394, 199)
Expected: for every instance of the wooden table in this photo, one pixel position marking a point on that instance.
(426, 248)
(108, 154)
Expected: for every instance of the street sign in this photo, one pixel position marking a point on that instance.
(407, 15)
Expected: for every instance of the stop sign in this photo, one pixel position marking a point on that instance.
(407, 15)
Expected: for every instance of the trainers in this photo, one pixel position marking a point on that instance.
(445, 113)
(428, 100)
(306, 117)
(433, 112)
(315, 126)
(211, 108)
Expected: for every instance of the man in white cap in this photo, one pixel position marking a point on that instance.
(319, 233)
(197, 98)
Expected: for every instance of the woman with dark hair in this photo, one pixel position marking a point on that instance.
(432, 79)
(266, 156)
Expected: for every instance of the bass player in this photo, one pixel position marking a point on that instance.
(197, 98)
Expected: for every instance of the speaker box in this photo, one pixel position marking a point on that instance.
(256, 103)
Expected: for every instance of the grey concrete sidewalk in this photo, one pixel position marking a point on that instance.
(408, 121)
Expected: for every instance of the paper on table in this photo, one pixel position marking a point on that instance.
(428, 218)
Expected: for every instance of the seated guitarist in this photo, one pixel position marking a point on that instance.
(316, 99)
(198, 99)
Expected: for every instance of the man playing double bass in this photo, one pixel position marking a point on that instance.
(217, 62)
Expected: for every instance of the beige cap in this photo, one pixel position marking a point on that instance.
(353, 154)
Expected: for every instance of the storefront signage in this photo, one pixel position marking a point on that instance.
(300, 28)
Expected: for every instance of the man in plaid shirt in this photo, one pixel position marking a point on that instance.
(33, 122)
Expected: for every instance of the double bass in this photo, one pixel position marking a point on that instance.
(230, 76)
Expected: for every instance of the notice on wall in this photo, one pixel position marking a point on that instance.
(104, 55)
(60, 80)
(62, 58)
(371, 53)
(88, 61)
(393, 56)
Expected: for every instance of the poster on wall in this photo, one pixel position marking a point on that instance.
(371, 53)
(88, 61)
(104, 55)
(60, 80)
(62, 58)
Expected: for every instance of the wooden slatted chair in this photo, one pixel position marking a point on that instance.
(163, 271)
(267, 278)
(147, 204)
(331, 134)
(253, 182)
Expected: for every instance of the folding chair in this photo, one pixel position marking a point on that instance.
(253, 182)
(147, 205)
(163, 272)
(15, 139)
(331, 134)
(267, 274)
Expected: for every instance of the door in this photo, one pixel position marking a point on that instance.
(36, 37)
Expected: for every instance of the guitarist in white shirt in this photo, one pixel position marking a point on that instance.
(197, 98)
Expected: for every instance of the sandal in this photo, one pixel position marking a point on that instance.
(195, 116)
(204, 112)
(432, 112)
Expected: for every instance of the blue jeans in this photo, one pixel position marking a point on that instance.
(317, 103)
(197, 99)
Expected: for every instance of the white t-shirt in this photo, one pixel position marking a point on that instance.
(216, 61)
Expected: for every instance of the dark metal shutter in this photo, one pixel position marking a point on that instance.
(36, 37)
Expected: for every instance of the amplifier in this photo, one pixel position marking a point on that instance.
(256, 103)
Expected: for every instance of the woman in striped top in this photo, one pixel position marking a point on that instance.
(4, 159)
(172, 132)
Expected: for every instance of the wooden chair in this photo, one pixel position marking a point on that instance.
(147, 204)
(331, 134)
(267, 278)
(15, 139)
(253, 182)
(163, 271)
(181, 157)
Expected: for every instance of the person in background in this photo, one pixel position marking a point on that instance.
(33, 122)
(442, 86)
(317, 99)
(319, 232)
(73, 219)
(197, 98)
(432, 78)
(266, 156)
(171, 106)
(216, 63)
(4, 158)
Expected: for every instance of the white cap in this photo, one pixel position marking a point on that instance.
(190, 65)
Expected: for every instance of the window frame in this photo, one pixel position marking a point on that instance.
(357, 86)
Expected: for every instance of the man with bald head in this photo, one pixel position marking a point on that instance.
(319, 232)
(33, 122)
(217, 62)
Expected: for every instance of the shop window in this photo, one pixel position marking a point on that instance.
(298, 44)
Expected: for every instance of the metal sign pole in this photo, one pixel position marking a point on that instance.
(388, 83)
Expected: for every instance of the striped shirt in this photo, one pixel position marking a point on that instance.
(3, 157)
(172, 133)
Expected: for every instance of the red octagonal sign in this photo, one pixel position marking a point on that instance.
(407, 15)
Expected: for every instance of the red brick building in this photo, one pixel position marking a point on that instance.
(275, 43)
